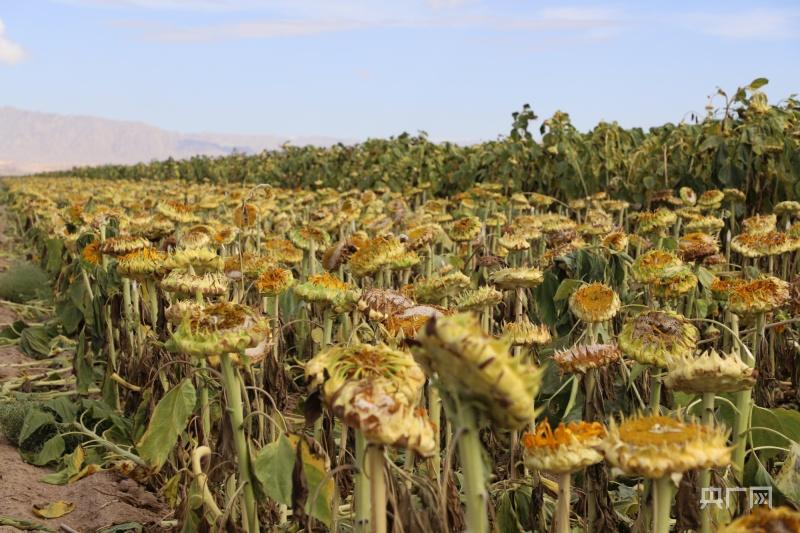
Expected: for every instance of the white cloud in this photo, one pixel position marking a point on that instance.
(10, 52)
(754, 24)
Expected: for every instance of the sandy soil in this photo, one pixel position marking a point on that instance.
(101, 500)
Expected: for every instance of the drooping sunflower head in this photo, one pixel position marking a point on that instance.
(245, 216)
(334, 366)
(581, 358)
(329, 290)
(151, 227)
(479, 368)
(787, 207)
(477, 299)
(274, 281)
(439, 286)
(734, 195)
(91, 254)
(709, 372)
(697, 246)
(711, 199)
(759, 296)
(200, 259)
(141, 264)
(423, 235)
(516, 277)
(681, 282)
(218, 329)
(655, 222)
(380, 304)
(523, 332)
(722, 288)
(705, 223)
(764, 243)
(177, 212)
(653, 336)
(465, 229)
(760, 223)
(375, 254)
(616, 240)
(654, 265)
(184, 282)
(375, 407)
(124, 244)
(513, 242)
(657, 446)
(569, 448)
(763, 519)
(307, 237)
(283, 251)
(198, 237)
(595, 302)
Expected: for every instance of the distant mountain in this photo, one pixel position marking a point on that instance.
(33, 142)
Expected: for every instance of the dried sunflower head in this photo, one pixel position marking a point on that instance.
(697, 246)
(141, 264)
(334, 366)
(124, 244)
(687, 195)
(513, 242)
(308, 236)
(653, 336)
(410, 320)
(329, 290)
(758, 296)
(375, 254)
(764, 243)
(245, 216)
(183, 282)
(711, 199)
(519, 277)
(477, 299)
(706, 224)
(465, 229)
(616, 240)
(678, 284)
(218, 329)
(479, 368)
(380, 304)
(274, 281)
(765, 520)
(594, 302)
(374, 407)
(658, 446)
(655, 221)
(200, 259)
(787, 207)
(523, 332)
(423, 235)
(654, 265)
(569, 448)
(734, 195)
(283, 251)
(581, 358)
(91, 255)
(439, 286)
(709, 372)
(760, 223)
(177, 212)
(721, 288)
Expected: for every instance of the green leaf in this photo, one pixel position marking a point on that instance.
(567, 287)
(52, 451)
(758, 83)
(168, 421)
(119, 528)
(34, 420)
(273, 468)
(788, 479)
(24, 525)
(35, 341)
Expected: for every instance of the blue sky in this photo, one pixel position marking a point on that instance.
(454, 68)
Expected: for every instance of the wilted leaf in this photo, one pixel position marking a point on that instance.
(53, 510)
(25, 525)
(566, 288)
(273, 469)
(788, 479)
(119, 528)
(52, 450)
(167, 423)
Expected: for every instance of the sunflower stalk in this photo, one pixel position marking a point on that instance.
(705, 474)
(377, 485)
(470, 452)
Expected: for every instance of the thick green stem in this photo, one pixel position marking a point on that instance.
(705, 475)
(377, 485)
(435, 413)
(562, 509)
(662, 502)
(361, 494)
(470, 452)
(233, 393)
(655, 392)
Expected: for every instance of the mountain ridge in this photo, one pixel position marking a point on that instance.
(36, 141)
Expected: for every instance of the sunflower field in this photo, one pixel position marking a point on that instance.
(588, 331)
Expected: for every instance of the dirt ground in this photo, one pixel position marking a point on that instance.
(101, 500)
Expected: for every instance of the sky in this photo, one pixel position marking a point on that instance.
(456, 69)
